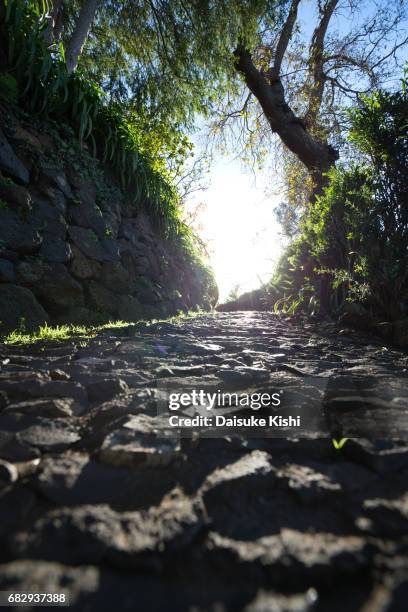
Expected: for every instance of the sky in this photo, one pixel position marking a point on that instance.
(238, 221)
(239, 226)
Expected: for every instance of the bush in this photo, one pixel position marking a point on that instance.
(356, 233)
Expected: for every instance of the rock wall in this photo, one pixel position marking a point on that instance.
(72, 248)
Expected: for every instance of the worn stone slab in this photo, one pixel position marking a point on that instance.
(139, 441)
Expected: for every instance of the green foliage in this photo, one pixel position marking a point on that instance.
(135, 149)
(120, 139)
(338, 444)
(291, 289)
(234, 293)
(164, 56)
(356, 233)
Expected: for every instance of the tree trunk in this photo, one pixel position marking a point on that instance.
(316, 155)
(53, 18)
(58, 26)
(75, 46)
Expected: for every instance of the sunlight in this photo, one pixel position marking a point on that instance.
(239, 226)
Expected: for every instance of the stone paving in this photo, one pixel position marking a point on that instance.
(94, 502)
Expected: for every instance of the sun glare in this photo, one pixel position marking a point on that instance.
(239, 226)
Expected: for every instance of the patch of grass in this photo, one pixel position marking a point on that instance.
(67, 332)
(59, 332)
(176, 319)
(110, 324)
(45, 332)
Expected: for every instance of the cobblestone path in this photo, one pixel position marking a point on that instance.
(93, 501)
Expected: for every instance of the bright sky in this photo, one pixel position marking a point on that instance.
(239, 226)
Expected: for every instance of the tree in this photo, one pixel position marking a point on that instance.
(76, 43)
(297, 89)
(149, 53)
(55, 23)
(356, 233)
(318, 156)
(72, 24)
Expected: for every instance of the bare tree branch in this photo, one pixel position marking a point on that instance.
(316, 62)
(284, 40)
(356, 46)
(54, 17)
(80, 34)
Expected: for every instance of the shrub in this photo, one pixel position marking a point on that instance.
(356, 233)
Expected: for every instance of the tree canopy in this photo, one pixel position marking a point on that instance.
(253, 65)
(299, 79)
(169, 57)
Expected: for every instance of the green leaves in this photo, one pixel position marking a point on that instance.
(354, 237)
(125, 141)
(338, 444)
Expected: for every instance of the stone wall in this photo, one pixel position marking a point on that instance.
(72, 249)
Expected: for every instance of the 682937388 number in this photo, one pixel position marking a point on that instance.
(16, 598)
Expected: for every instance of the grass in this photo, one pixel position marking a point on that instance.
(45, 332)
(174, 319)
(338, 444)
(58, 333)
(48, 333)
